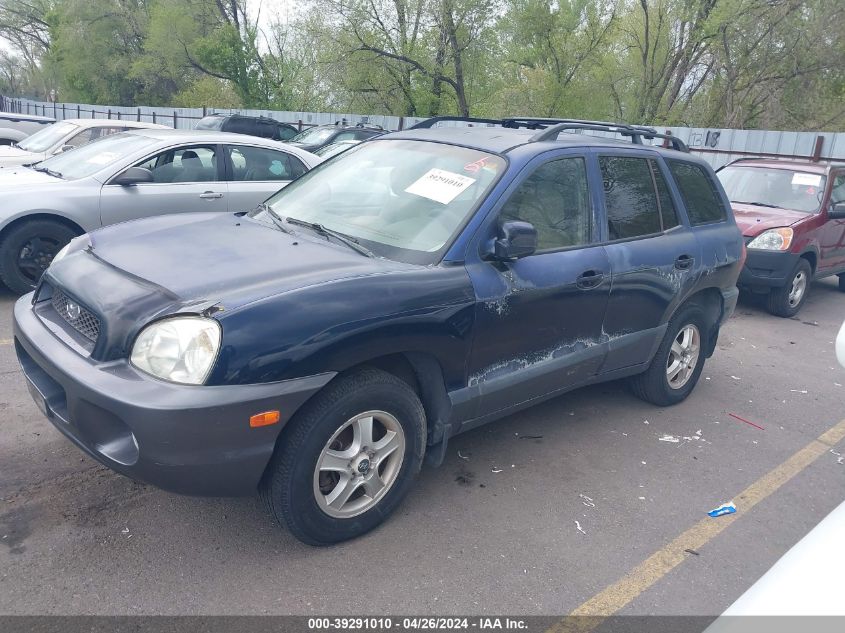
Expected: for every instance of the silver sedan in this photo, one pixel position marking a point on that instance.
(132, 175)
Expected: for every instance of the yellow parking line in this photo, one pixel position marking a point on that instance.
(5, 341)
(644, 575)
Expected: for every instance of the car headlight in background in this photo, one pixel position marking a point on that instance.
(773, 240)
(76, 244)
(179, 349)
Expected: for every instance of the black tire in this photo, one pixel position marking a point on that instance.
(842, 283)
(779, 301)
(288, 486)
(27, 250)
(653, 385)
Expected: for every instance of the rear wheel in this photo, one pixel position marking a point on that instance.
(677, 364)
(787, 300)
(347, 459)
(27, 250)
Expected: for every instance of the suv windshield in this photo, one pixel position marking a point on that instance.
(772, 187)
(44, 139)
(94, 156)
(404, 200)
(313, 135)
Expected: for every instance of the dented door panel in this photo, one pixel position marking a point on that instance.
(649, 282)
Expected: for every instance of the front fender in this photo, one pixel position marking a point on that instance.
(336, 326)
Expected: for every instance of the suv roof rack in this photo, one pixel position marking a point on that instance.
(550, 128)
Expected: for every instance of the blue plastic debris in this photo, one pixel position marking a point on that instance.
(725, 508)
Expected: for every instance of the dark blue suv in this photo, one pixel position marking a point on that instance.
(320, 347)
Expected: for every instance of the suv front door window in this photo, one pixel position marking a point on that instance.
(539, 318)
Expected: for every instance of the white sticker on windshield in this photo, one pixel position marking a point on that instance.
(103, 158)
(809, 180)
(440, 185)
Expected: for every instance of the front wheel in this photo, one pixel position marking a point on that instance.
(27, 250)
(787, 301)
(677, 364)
(347, 459)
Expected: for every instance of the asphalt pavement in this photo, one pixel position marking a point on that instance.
(574, 503)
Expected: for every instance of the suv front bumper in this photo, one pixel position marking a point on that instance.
(767, 269)
(182, 438)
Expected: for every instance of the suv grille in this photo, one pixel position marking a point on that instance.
(80, 319)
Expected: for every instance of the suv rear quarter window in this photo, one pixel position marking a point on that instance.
(702, 199)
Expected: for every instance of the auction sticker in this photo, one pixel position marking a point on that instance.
(810, 180)
(440, 185)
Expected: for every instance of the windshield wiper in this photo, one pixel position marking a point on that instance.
(351, 242)
(277, 219)
(48, 171)
(758, 204)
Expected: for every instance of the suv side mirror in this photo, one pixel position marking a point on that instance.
(66, 148)
(836, 211)
(516, 239)
(133, 176)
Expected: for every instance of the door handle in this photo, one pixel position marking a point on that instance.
(589, 279)
(210, 195)
(684, 262)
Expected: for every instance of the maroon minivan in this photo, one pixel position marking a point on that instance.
(792, 215)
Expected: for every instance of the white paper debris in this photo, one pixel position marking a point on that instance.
(462, 456)
(578, 527)
(125, 531)
(587, 501)
(736, 377)
(641, 498)
(798, 390)
(669, 438)
(645, 421)
(643, 463)
(496, 470)
(440, 185)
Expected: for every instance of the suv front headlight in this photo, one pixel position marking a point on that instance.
(179, 349)
(773, 240)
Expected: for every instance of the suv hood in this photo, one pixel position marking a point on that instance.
(226, 259)
(753, 220)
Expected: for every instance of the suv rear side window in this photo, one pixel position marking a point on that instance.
(555, 199)
(702, 199)
(630, 197)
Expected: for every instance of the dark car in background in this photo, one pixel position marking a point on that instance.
(319, 136)
(264, 127)
(416, 286)
(792, 214)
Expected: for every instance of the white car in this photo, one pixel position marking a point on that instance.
(62, 136)
(135, 174)
(840, 345)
